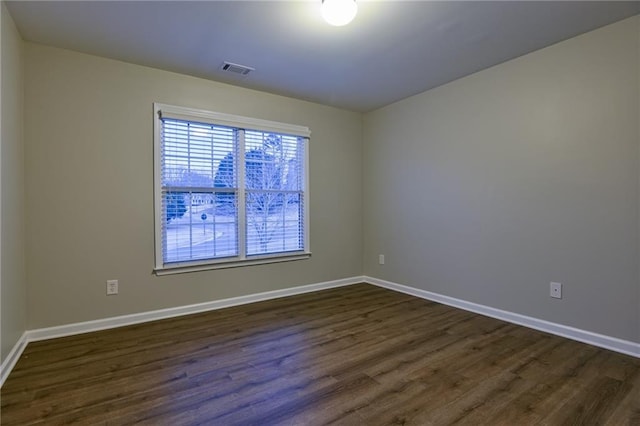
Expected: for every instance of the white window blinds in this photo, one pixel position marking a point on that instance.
(228, 193)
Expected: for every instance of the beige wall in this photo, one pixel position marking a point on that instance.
(488, 188)
(88, 138)
(484, 189)
(12, 261)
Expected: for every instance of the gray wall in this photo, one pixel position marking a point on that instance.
(488, 188)
(89, 186)
(12, 260)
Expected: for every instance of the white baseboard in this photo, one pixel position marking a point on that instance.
(607, 342)
(123, 320)
(120, 321)
(595, 339)
(14, 355)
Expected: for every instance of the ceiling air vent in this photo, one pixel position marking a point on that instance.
(236, 69)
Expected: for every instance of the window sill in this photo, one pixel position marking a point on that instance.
(181, 269)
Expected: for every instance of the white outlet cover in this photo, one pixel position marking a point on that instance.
(112, 287)
(555, 290)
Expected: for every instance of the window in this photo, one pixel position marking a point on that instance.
(229, 190)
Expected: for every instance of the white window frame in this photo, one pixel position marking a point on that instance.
(242, 123)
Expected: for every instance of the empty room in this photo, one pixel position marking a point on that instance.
(320, 212)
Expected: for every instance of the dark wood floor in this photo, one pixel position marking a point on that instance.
(357, 355)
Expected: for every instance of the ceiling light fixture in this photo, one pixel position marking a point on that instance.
(339, 12)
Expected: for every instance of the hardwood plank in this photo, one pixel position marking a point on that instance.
(348, 356)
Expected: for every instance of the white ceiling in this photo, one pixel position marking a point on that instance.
(392, 50)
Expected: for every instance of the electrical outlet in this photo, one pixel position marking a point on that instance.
(112, 287)
(555, 290)
(381, 259)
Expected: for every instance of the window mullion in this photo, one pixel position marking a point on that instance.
(241, 197)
